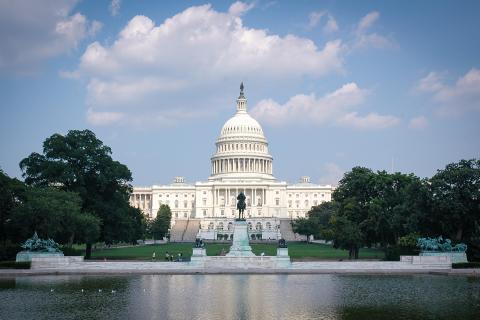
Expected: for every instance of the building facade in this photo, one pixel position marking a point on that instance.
(241, 163)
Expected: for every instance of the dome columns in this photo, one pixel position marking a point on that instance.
(242, 165)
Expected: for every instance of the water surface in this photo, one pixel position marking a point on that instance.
(212, 297)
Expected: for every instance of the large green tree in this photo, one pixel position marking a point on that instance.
(79, 162)
(161, 224)
(12, 193)
(455, 193)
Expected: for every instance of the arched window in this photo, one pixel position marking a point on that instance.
(258, 226)
(269, 226)
(230, 226)
(220, 226)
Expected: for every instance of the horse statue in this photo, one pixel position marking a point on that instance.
(241, 205)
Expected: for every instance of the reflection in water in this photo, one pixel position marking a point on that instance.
(240, 297)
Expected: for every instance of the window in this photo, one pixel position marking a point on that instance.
(315, 195)
(306, 203)
(220, 226)
(269, 226)
(222, 212)
(168, 195)
(249, 226)
(204, 202)
(258, 226)
(289, 203)
(277, 192)
(193, 204)
(297, 195)
(315, 202)
(210, 225)
(176, 203)
(205, 213)
(184, 214)
(185, 203)
(176, 214)
(277, 201)
(297, 203)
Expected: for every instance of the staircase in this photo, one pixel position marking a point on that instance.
(287, 232)
(191, 231)
(177, 231)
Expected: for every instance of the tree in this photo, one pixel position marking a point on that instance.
(455, 193)
(81, 163)
(55, 214)
(321, 216)
(11, 196)
(305, 227)
(161, 224)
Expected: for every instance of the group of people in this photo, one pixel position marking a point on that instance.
(170, 257)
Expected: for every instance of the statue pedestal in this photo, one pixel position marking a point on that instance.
(455, 257)
(26, 256)
(240, 246)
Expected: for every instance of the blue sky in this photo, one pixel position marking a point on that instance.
(335, 84)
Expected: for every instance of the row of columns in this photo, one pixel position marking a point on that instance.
(251, 192)
(242, 165)
(141, 200)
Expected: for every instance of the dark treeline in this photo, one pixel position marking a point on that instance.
(391, 211)
(74, 192)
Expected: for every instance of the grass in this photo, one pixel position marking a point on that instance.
(298, 251)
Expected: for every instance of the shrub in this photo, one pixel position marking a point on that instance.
(14, 265)
(9, 251)
(69, 251)
(466, 265)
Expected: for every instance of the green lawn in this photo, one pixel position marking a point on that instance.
(297, 251)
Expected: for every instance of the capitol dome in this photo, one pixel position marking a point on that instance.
(242, 149)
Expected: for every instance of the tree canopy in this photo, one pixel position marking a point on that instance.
(79, 162)
(161, 224)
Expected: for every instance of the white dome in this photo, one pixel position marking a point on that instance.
(242, 150)
(241, 125)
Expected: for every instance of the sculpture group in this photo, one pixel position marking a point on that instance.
(440, 244)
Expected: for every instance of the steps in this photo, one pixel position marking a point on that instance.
(287, 232)
(177, 231)
(191, 231)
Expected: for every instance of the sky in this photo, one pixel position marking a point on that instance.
(389, 85)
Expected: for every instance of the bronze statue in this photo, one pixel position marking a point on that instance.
(241, 205)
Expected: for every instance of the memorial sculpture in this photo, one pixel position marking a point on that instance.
(35, 247)
(440, 246)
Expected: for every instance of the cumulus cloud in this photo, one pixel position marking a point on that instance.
(365, 38)
(32, 31)
(461, 97)
(114, 7)
(334, 107)
(370, 121)
(419, 122)
(194, 48)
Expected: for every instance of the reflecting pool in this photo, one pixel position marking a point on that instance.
(212, 297)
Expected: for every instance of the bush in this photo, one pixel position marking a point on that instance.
(69, 251)
(393, 253)
(14, 265)
(466, 265)
(9, 251)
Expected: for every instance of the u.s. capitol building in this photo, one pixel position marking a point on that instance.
(241, 162)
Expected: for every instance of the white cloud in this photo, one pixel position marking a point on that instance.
(239, 8)
(367, 21)
(114, 7)
(104, 118)
(334, 107)
(419, 122)
(32, 31)
(364, 38)
(309, 108)
(198, 47)
(331, 25)
(370, 121)
(332, 174)
(463, 96)
(315, 17)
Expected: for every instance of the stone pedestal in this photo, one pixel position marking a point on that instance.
(240, 246)
(283, 259)
(26, 256)
(455, 257)
(198, 256)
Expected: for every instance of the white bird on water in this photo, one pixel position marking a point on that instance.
(82, 290)
(51, 290)
(113, 291)
(99, 290)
